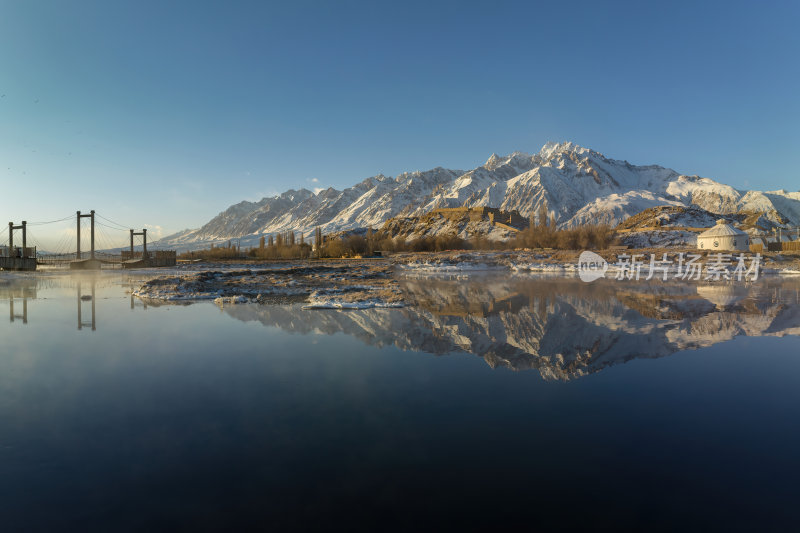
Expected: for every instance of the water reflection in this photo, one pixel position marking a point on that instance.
(18, 291)
(206, 422)
(23, 316)
(88, 298)
(18, 294)
(563, 328)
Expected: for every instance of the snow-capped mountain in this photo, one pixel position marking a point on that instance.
(576, 185)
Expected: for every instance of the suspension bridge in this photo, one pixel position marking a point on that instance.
(68, 253)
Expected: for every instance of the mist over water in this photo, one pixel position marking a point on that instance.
(487, 401)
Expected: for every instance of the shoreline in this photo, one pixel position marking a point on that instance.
(360, 283)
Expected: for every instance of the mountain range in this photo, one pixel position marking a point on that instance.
(576, 185)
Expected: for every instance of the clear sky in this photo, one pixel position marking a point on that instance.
(161, 114)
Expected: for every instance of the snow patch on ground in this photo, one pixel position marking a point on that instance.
(222, 300)
(326, 300)
(543, 267)
(448, 267)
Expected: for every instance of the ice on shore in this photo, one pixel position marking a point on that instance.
(222, 300)
(338, 303)
(449, 267)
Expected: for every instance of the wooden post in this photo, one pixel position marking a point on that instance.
(78, 254)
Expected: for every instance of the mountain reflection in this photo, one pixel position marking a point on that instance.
(563, 328)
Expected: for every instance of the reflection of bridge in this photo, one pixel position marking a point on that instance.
(84, 288)
(27, 258)
(20, 293)
(81, 299)
(25, 293)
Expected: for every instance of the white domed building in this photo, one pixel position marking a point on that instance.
(723, 238)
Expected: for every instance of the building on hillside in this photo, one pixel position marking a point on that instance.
(723, 237)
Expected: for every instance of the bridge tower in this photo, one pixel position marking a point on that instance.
(143, 234)
(91, 234)
(24, 259)
(24, 228)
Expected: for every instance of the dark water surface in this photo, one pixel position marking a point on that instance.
(491, 403)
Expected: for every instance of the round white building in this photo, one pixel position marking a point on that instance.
(723, 237)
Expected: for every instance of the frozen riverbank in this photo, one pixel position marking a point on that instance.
(329, 284)
(367, 283)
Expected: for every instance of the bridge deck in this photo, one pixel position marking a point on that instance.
(86, 264)
(105, 260)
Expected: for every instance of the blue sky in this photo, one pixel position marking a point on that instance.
(161, 114)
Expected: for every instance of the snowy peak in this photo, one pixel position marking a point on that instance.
(552, 149)
(295, 196)
(493, 162)
(517, 160)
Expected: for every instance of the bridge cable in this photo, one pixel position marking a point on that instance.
(108, 242)
(122, 226)
(102, 239)
(62, 244)
(59, 245)
(154, 244)
(50, 221)
(111, 227)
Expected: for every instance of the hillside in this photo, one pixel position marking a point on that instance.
(465, 223)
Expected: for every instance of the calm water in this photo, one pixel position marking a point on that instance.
(492, 402)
